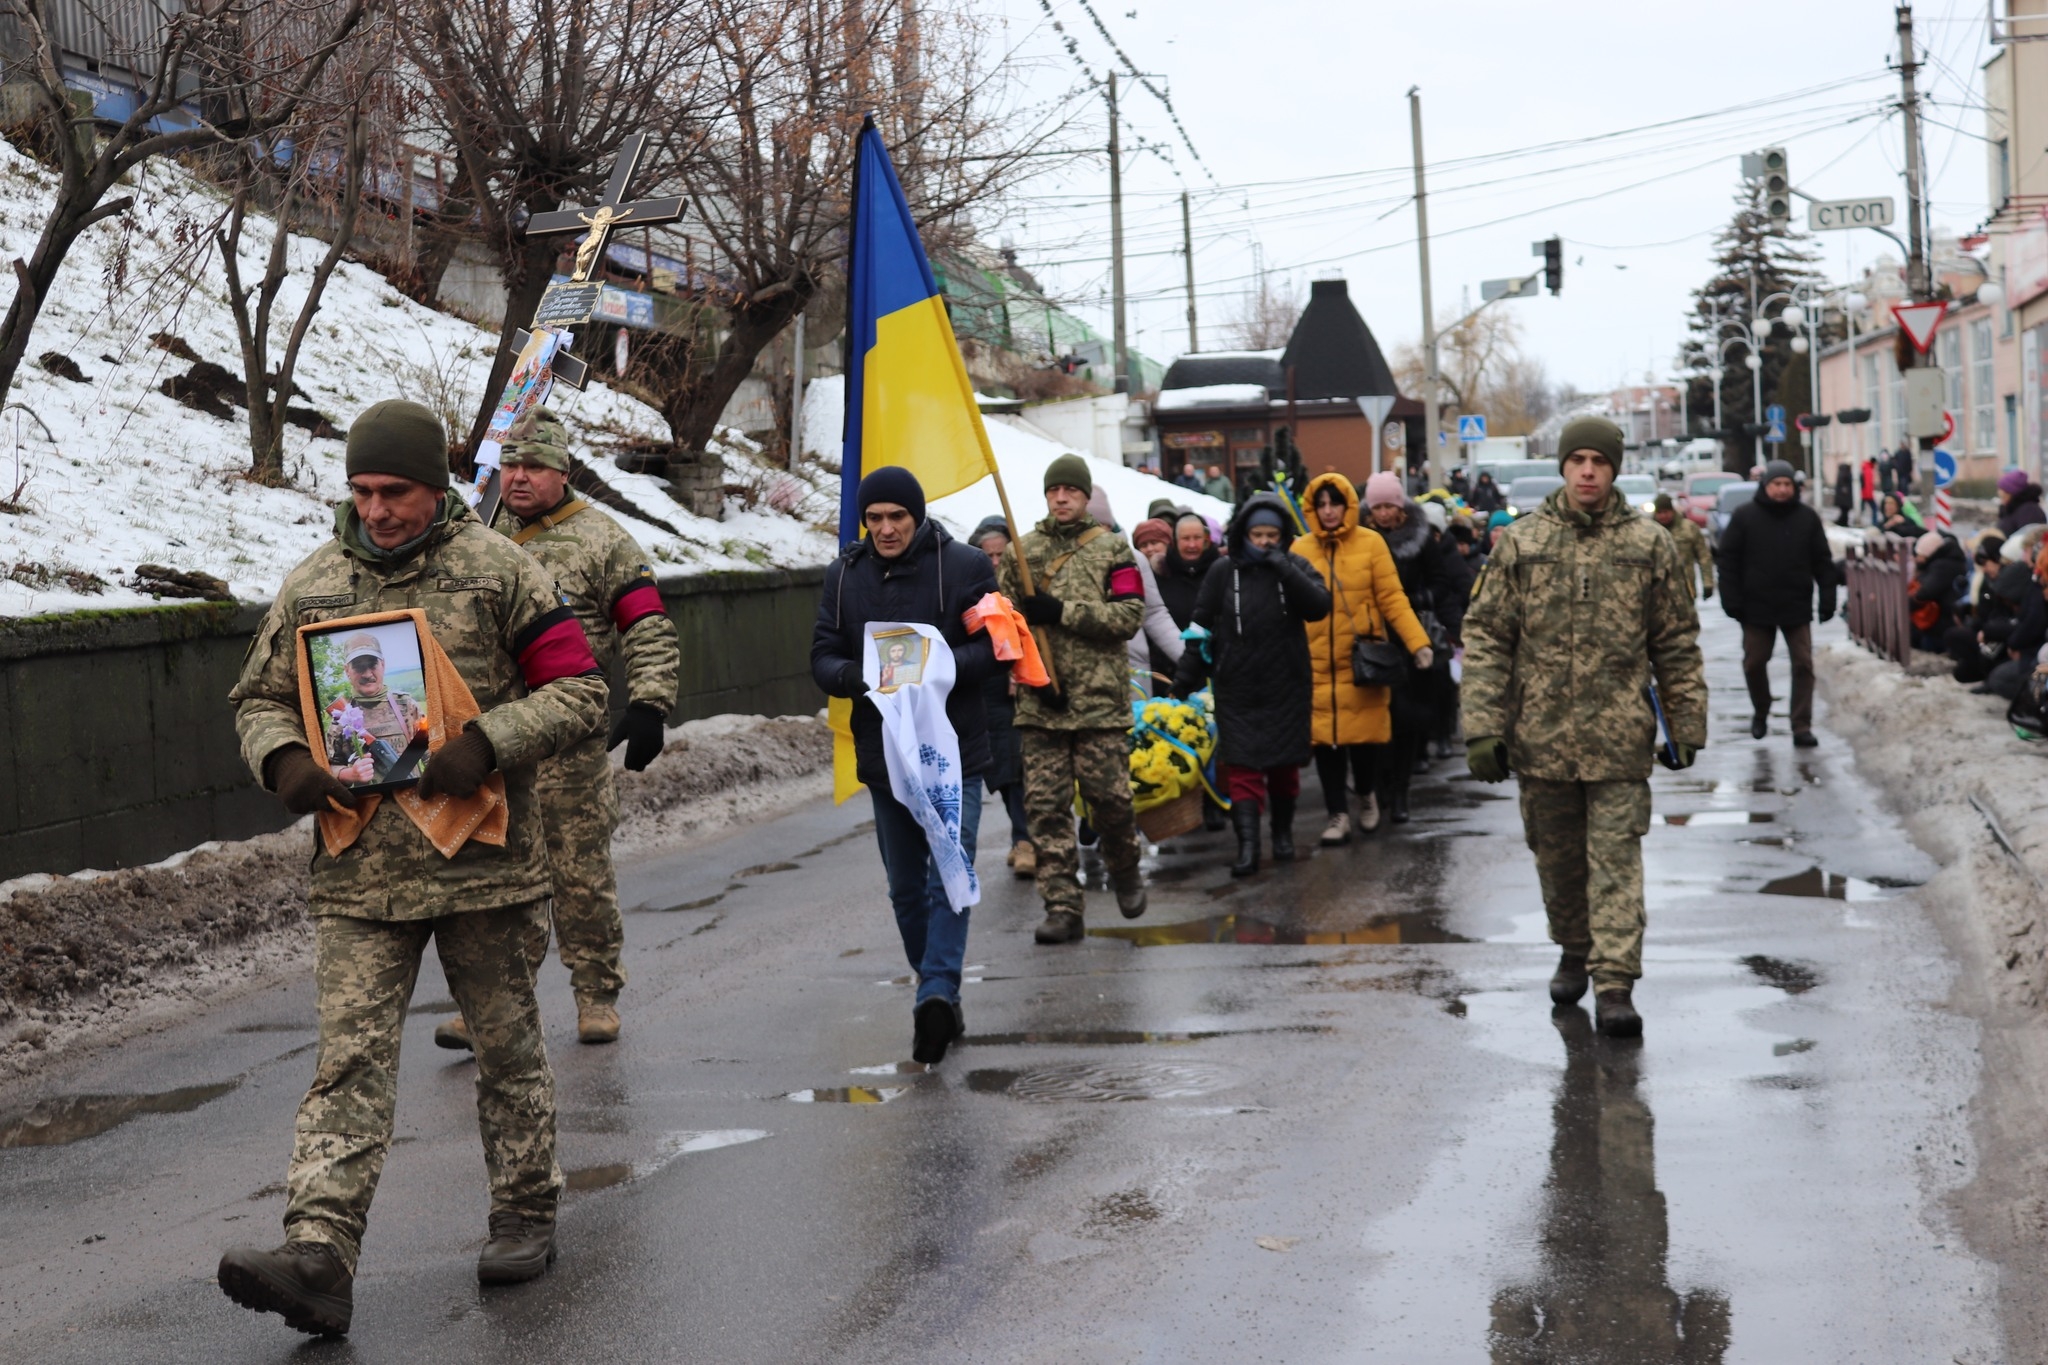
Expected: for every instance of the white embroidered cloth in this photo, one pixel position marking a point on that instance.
(923, 754)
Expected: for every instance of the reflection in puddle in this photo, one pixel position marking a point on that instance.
(1105, 1083)
(670, 1146)
(1244, 929)
(1793, 978)
(1797, 1045)
(73, 1118)
(1603, 1289)
(1717, 817)
(1835, 886)
(598, 1177)
(891, 1069)
(1110, 1037)
(848, 1094)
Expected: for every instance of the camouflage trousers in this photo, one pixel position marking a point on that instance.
(580, 808)
(1054, 762)
(1588, 842)
(364, 971)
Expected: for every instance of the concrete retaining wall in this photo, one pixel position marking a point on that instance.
(117, 745)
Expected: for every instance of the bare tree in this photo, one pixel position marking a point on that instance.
(1266, 316)
(1483, 369)
(534, 104)
(206, 70)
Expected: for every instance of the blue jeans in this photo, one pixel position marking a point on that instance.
(934, 936)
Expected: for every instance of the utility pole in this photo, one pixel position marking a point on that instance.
(1917, 289)
(1121, 359)
(1429, 371)
(1187, 251)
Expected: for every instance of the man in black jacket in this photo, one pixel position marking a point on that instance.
(1773, 555)
(908, 569)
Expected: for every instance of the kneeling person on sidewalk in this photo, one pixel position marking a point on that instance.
(406, 542)
(605, 579)
(1582, 604)
(1090, 602)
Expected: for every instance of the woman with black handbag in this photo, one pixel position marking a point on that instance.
(1420, 700)
(1358, 653)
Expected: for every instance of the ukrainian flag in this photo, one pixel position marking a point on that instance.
(909, 401)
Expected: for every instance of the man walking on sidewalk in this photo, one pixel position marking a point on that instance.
(1583, 606)
(1090, 601)
(1774, 555)
(1691, 542)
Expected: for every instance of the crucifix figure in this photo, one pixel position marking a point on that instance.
(611, 212)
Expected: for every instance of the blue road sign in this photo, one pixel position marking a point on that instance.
(1775, 413)
(1471, 429)
(1944, 468)
(1777, 431)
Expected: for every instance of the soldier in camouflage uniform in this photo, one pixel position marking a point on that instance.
(605, 578)
(388, 715)
(405, 541)
(1090, 602)
(1691, 542)
(1581, 605)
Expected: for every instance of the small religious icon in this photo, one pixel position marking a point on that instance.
(901, 655)
(586, 250)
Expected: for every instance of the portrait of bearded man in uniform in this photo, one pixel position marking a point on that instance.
(368, 718)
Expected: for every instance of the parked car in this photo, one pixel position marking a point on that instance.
(1702, 492)
(1526, 494)
(1506, 472)
(1730, 497)
(1640, 490)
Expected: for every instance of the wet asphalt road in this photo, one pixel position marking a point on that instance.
(1321, 1114)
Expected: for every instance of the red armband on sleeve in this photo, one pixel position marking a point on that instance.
(1125, 583)
(553, 648)
(640, 598)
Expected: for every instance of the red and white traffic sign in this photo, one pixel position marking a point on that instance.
(1920, 321)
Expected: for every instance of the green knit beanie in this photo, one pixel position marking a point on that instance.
(401, 437)
(1070, 471)
(538, 438)
(1596, 434)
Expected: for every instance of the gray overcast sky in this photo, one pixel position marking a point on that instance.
(1282, 96)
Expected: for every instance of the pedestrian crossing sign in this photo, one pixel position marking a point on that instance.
(1777, 431)
(1471, 429)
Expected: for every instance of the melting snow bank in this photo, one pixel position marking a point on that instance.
(1955, 770)
(95, 957)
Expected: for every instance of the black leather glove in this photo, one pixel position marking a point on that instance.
(305, 786)
(1680, 758)
(1707, 592)
(460, 767)
(1042, 609)
(643, 730)
(1487, 757)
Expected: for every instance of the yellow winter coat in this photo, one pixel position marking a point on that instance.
(1361, 576)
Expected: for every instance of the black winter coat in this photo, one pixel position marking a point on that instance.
(2029, 628)
(1773, 557)
(1424, 576)
(1845, 492)
(1255, 611)
(1005, 745)
(1938, 578)
(931, 583)
(1487, 496)
(2023, 510)
(1180, 580)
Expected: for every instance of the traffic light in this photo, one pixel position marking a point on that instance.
(1777, 189)
(1552, 252)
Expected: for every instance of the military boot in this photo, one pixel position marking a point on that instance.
(1024, 859)
(1130, 892)
(304, 1282)
(1614, 1013)
(1245, 816)
(1568, 982)
(1283, 829)
(454, 1034)
(597, 1021)
(521, 1248)
(1061, 926)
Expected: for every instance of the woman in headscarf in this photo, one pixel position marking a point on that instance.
(1181, 570)
(1350, 726)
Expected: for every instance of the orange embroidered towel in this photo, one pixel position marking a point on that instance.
(1010, 633)
(447, 821)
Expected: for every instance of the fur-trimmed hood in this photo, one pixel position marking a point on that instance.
(1409, 538)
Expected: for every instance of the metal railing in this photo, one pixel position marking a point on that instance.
(1878, 584)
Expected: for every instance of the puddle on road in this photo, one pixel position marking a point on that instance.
(1121, 1037)
(847, 1094)
(597, 1177)
(1793, 978)
(702, 903)
(1797, 1045)
(65, 1119)
(1822, 884)
(891, 1069)
(1716, 817)
(762, 869)
(666, 1149)
(1109, 1083)
(1244, 929)
(1123, 1209)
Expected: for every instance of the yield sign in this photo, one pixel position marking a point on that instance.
(1920, 321)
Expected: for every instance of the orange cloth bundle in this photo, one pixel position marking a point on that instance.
(1011, 634)
(448, 822)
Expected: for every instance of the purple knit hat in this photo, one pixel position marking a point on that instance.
(2012, 481)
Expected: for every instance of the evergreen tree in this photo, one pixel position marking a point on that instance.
(1750, 262)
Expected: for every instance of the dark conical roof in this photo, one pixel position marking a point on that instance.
(1332, 350)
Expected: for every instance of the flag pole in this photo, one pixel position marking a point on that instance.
(1024, 573)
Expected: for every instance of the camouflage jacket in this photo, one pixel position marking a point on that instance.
(1573, 613)
(1105, 606)
(495, 612)
(1692, 549)
(390, 716)
(605, 578)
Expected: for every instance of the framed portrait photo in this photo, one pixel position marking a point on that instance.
(369, 690)
(901, 656)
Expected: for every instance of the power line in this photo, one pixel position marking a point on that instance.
(1146, 81)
